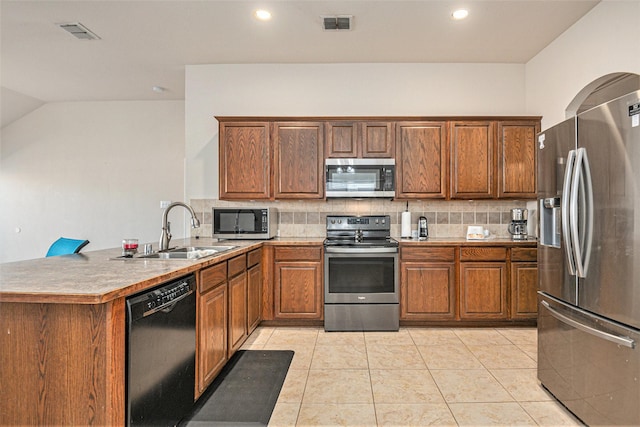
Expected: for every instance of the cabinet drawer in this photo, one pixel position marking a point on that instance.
(479, 253)
(427, 254)
(524, 254)
(298, 253)
(254, 257)
(212, 276)
(237, 265)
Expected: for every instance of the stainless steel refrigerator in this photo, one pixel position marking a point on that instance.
(589, 262)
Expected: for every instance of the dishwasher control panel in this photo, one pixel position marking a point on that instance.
(162, 297)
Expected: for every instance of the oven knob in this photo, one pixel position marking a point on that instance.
(333, 221)
(383, 221)
(339, 221)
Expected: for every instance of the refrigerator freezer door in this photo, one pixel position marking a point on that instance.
(589, 363)
(554, 146)
(610, 135)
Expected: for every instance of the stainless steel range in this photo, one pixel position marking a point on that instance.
(360, 274)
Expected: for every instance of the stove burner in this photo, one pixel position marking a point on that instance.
(370, 231)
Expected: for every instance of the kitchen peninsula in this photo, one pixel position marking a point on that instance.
(63, 333)
(63, 324)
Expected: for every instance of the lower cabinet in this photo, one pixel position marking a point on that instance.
(428, 284)
(483, 290)
(254, 289)
(298, 283)
(237, 277)
(524, 283)
(229, 308)
(468, 283)
(483, 283)
(211, 325)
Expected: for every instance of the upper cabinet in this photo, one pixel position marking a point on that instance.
(472, 164)
(421, 165)
(268, 158)
(517, 159)
(359, 139)
(299, 161)
(493, 159)
(245, 160)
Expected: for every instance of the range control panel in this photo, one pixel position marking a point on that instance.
(367, 222)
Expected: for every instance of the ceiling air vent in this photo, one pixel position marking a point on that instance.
(79, 31)
(337, 23)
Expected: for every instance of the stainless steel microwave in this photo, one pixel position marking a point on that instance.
(360, 178)
(245, 223)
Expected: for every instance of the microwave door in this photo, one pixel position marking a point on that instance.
(240, 221)
(354, 178)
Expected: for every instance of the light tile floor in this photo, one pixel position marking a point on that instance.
(414, 377)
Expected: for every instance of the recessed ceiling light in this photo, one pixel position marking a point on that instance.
(460, 14)
(263, 15)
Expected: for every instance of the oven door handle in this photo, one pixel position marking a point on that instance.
(347, 250)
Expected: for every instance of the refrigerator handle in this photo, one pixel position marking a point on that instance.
(624, 341)
(589, 212)
(565, 208)
(581, 185)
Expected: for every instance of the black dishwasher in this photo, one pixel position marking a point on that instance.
(161, 347)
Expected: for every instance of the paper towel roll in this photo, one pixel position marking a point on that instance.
(406, 225)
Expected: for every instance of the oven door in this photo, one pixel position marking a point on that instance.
(361, 275)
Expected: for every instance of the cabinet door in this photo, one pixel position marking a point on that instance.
(299, 160)
(524, 286)
(298, 290)
(212, 335)
(254, 297)
(342, 139)
(377, 140)
(427, 291)
(245, 163)
(483, 290)
(472, 165)
(421, 171)
(237, 312)
(517, 159)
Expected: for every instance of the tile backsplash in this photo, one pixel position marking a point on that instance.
(308, 218)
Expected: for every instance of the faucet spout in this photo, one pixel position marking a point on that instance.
(165, 236)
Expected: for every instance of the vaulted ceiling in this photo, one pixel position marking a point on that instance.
(143, 43)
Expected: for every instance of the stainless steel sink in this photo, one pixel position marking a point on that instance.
(186, 252)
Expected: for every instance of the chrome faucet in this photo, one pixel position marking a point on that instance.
(165, 236)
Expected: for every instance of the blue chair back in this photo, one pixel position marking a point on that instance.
(64, 246)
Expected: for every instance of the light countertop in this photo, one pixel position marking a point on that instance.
(94, 277)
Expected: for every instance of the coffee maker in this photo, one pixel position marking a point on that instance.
(518, 225)
(423, 229)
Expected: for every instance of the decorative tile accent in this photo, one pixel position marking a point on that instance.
(442, 217)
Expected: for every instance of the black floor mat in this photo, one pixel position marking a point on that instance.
(245, 392)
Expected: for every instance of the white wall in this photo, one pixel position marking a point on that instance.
(94, 170)
(335, 90)
(604, 41)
